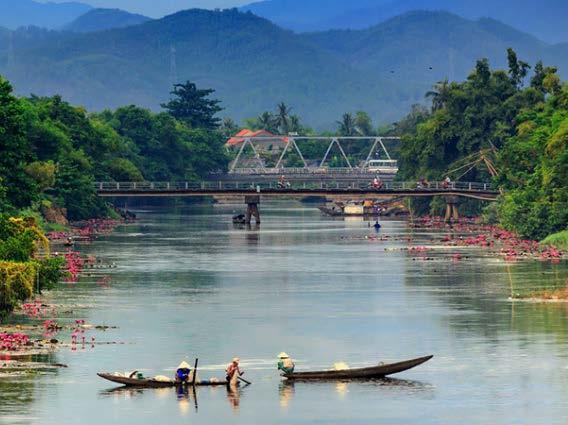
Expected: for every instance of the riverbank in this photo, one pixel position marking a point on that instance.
(471, 232)
(37, 322)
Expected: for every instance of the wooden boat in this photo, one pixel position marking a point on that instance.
(373, 372)
(152, 383)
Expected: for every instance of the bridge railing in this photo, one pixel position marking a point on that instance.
(290, 186)
(306, 171)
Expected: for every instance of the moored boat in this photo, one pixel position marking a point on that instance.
(373, 372)
(154, 383)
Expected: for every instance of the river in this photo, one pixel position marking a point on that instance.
(187, 284)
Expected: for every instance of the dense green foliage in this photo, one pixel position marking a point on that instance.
(21, 273)
(559, 240)
(535, 170)
(252, 63)
(51, 149)
(492, 126)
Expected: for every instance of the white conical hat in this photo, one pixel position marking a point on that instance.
(283, 355)
(184, 365)
(236, 360)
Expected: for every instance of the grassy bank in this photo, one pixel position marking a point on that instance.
(559, 240)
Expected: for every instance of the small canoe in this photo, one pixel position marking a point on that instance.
(373, 372)
(152, 383)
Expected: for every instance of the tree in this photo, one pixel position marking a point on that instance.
(15, 150)
(440, 95)
(364, 124)
(282, 118)
(347, 125)
(193, 106)
(518, 69)
(267, 121)
(228, 127)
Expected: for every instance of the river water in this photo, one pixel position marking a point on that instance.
(189, 284)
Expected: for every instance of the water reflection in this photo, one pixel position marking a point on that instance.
(234, 397)
(342, 388)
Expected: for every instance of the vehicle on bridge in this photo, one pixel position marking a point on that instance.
(383, 166)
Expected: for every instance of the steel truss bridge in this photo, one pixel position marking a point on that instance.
(331, 189)
(290, 144)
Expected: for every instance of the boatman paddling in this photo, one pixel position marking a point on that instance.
(233, 371)
(285, 363)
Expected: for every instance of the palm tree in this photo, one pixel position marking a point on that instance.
(295, 125)
(266, 121)
(440, 95)
(347, 125)
(283, 118)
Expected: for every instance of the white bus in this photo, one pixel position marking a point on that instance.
(383, 166)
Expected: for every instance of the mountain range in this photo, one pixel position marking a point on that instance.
(103, 19)
(18, 13)
(253, 64)
(544, 19)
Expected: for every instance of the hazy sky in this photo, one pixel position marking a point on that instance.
(158, 8)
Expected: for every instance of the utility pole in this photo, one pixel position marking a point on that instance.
(173, 66)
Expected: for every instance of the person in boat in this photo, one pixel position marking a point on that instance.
(233, 371)
(285, 363)
(182, 373)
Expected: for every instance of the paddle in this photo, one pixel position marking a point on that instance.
(194, 372)
(245, 381)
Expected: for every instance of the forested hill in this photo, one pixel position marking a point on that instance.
(103, 19)
(544, 19)
(253, 63)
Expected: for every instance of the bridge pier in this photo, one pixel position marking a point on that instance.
(252, 202)
(452, 213)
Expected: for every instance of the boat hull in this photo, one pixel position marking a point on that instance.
(151, 383)
(374, 372)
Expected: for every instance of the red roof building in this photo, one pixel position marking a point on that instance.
(266, 137)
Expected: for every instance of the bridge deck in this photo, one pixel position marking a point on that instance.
(353, 190)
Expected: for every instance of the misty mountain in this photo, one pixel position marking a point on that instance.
(17, 13)
(103, 19)
(253, 64)
(544, 19)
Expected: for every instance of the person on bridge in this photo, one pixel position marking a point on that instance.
(282, 183)
(377, 183)
(285, 363)
(447, 182)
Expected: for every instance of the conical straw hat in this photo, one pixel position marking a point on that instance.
(283, 355)
(184, 365)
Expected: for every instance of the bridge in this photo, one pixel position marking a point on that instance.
(337, 191)
(270, 155)
(347, 190)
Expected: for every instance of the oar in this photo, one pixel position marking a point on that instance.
(194, 372)
(245, 381)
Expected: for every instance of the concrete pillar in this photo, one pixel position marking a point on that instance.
(252, 202)
(452, 213)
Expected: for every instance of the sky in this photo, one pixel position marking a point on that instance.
(159, 8)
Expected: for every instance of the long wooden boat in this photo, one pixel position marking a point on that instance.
(152, 383)
(373, 372)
